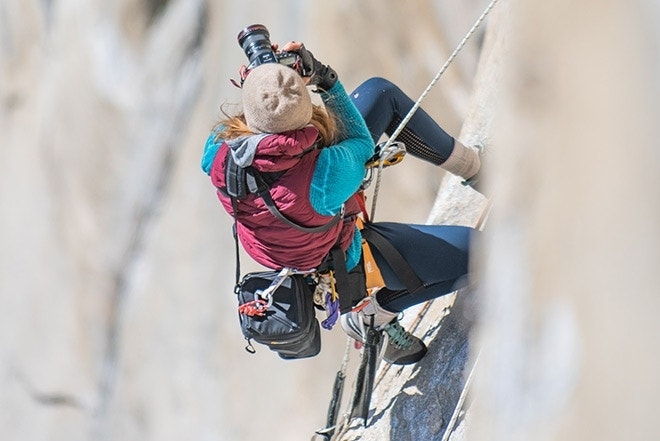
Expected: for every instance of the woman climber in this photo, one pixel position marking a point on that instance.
(314, 157)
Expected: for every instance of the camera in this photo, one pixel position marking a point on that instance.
(255, 42)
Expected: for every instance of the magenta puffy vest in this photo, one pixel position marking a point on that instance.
(268, 240)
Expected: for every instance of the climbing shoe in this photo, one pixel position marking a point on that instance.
(473, 182)
(399, 347)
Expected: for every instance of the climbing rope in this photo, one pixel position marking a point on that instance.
(461, 399)
(418, 103)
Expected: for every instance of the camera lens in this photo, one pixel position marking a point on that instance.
(255, 42)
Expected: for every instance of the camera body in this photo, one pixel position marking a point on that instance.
(255, 42)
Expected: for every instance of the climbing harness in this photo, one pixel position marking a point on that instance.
(418, 103)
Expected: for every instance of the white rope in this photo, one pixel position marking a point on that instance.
(459, 405)
(414, 108)
(344, 361)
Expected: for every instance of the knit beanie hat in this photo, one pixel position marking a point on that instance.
(275, 99)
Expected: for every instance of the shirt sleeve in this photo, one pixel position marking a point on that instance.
(340, 168)
(210, 150)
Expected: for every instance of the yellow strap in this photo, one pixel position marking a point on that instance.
(333, 294)
(371, 271)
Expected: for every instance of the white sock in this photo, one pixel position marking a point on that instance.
(463, 161)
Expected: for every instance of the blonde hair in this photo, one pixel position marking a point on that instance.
(322, 119)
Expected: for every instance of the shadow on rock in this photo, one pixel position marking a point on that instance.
(427, 402)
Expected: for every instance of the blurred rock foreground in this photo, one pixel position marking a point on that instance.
(117, 319)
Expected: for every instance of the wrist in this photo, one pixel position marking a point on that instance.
(329, 94)
(328, 78)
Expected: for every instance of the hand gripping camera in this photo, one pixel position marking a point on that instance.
(255, 42)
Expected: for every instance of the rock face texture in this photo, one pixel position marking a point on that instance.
(117, 319)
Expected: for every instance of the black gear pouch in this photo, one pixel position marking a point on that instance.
(288, 324)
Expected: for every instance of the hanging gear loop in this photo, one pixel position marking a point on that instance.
(418, 103)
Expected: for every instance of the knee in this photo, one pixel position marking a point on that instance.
(375, 93)
(377, 85)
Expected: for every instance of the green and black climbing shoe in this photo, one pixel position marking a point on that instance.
(401, 347)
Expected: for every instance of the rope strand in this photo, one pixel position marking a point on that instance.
(418, 103)
(461, 399)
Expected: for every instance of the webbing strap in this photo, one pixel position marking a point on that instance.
(264, 194)
(373, 277)
(242, 181)
(235, 179)
(234, 232)
(403, 271)
(341, 276)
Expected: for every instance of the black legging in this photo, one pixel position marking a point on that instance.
(383, 106)
(438, 254)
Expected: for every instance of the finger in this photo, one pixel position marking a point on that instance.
(242, 71)
(292, 46)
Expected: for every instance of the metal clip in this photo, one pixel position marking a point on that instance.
(267, 294)
(387, 154)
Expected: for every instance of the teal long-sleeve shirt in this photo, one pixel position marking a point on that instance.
(340, 167)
